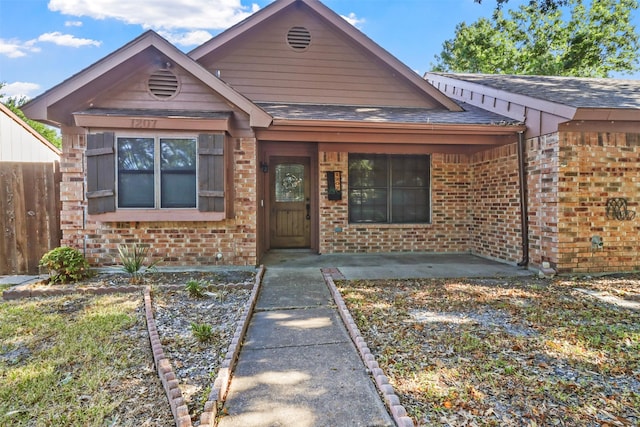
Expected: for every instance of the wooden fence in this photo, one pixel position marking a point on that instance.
(29, 214)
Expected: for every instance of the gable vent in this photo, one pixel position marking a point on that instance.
(299, 38)
(163, 84)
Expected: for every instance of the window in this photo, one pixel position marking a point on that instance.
(389, 188)
(156, 172)
(149, 173)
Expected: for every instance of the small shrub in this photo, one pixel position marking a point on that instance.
(202, 332)
(195, 288)
(65, 265)
(133, 259)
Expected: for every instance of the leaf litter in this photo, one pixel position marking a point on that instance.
(502, 352)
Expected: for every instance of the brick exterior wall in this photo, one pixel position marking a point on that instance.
(592, 168)
(542, 182)
(475, 208)
(495, 225)
(175, 243)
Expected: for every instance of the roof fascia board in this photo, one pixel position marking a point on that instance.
(377, 127)
(564, 111)
(258, 117)
(620, 114)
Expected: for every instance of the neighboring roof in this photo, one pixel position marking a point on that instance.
(469, 116)
(341, 25)
(570, 91)
(78, 85)
(28, 130)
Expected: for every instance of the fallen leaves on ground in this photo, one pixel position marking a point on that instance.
(502, 352)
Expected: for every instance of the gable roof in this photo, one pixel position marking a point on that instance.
(56, 105)
(339, 24)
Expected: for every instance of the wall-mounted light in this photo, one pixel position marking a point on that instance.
(264, 166)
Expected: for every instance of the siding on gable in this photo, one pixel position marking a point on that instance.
(332, 70)
(133, 93)
(18, 144)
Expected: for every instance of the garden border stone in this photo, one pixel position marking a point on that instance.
(391, 399)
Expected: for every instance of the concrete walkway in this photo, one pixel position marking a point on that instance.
(298, 366)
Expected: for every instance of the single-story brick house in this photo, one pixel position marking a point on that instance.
(292, 129)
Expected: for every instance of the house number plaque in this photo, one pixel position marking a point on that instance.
(334, 185)
(143, 123)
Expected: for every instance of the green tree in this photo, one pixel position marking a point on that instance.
(545, 5)
(593, 42)
(14, 104)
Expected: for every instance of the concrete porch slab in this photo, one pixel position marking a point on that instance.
(404, 265)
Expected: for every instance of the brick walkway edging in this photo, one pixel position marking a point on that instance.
(220, 387)
(398, 412)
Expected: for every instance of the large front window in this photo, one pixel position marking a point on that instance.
(389, 188)
(156, 172)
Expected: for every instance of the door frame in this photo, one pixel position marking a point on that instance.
(270, 149)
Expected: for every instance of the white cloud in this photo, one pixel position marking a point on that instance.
(16, 49)
(354, 20)
(73, 24)
(67, 40)
(20, 90)
(191, 38)
(160, 14)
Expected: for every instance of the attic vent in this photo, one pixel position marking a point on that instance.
(163, 84)
(299, 38)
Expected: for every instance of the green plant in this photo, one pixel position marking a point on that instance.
(195, 288)
(65, 264)
(133, 260)
(202, 332)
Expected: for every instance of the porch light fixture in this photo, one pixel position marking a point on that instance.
(264, 167)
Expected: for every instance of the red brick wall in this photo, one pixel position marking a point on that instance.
(594, 167)
(175, 243)
(495, 226)
(542, 182)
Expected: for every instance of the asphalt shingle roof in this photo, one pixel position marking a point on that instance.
(571, 91)
(471, 115)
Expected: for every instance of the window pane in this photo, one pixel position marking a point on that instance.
(409, 171)
(410, 205)
(368, 205)
(135, 172)
(177, 173)
(367, 170)
(289, 183)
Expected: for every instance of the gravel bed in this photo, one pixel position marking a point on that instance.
(195, 363)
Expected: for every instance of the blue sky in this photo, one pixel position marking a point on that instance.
(43, 42)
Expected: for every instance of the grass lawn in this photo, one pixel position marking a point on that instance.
(76, 361)
(501, 352)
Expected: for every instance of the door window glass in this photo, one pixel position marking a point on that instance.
(289, 183)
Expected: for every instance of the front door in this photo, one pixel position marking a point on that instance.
(290, 202)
